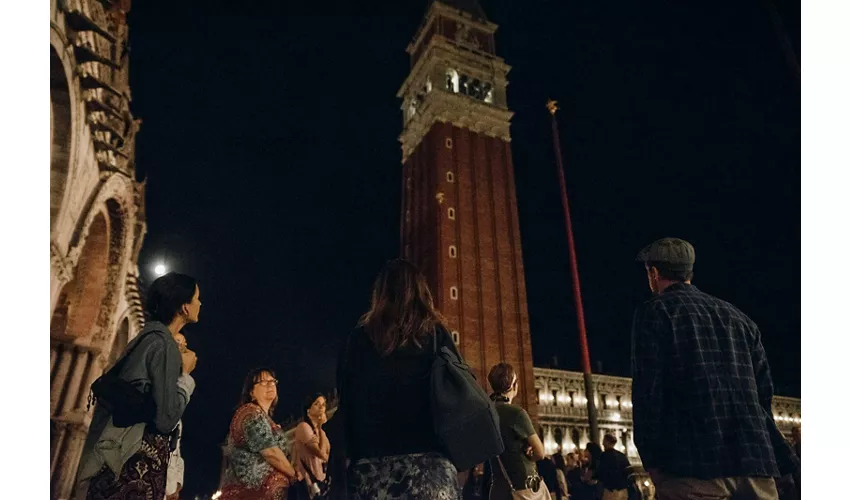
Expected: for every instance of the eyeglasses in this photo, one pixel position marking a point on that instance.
(269, 382)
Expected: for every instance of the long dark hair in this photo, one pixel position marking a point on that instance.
(308, 403)
(402, 310)
(167, 294)
(250, 381)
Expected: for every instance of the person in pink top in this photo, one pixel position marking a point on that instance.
(312, 448)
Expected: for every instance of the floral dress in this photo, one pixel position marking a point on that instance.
(247, 474)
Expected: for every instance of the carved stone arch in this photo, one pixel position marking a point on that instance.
(64, 129)
(78, 306)
(85, 311)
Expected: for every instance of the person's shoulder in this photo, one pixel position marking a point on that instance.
(303, 431)
(510, 410)
(723, 305)
(248, 409)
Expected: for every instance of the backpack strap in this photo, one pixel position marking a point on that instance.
(116, 368)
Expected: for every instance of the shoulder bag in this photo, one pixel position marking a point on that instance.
(465, 420)
(127, 405)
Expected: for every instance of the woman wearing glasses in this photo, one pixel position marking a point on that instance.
(256, 467)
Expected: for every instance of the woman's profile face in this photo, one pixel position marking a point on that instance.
(193, 308)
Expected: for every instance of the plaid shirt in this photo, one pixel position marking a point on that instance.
(702, 390)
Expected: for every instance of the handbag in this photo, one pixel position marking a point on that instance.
(535, 487)
(465, 420)
(127, 405)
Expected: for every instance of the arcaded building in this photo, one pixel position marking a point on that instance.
(96, 216)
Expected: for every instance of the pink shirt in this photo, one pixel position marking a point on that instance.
(303, 435)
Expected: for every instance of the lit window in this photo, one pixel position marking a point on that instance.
(488, 93)
(456, 337)
(453, 292)
(452, 251)
(450, 177)
(452, 81)
(451, 214)
(449, 143)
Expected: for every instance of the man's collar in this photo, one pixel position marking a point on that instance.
(679, 286)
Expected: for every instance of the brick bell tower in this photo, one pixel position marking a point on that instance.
(459, 211)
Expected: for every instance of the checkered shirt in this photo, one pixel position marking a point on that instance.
(702, 390)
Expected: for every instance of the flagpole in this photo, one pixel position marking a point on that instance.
(552, 106)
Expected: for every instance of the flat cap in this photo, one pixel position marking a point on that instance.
(675, 253)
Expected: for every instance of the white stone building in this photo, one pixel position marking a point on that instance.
(562, 409)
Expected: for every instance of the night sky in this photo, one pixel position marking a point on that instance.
(269, 147)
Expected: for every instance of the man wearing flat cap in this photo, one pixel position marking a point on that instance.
(701, 389)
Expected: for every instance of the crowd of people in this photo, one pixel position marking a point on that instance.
(702, 416)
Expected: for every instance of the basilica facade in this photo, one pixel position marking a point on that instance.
(97, 220)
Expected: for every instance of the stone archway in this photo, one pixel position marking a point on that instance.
(81, 329)
(79, 302)
(60, 133)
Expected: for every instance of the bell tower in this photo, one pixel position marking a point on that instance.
(459, 212)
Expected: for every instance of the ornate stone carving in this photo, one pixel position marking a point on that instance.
(64, 267)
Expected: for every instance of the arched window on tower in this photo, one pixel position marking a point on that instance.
(452, 80)
(464, 85)
(475, 89)
(488, 93)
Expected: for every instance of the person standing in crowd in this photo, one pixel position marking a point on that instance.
(474, 489)
(311, 448)
(514, 469)
(590, 475)
(702, 389)
(613, 471)
(174, 476)
(154, 365)
(256, 467)
(561, 476)
(546, 469)
(383, 378)
(575, 471)
(176, 466)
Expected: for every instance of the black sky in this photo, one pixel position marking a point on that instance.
(269, 145)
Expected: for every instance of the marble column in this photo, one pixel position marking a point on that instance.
(59, 380)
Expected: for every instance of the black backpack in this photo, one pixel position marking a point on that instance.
(127, 405)
(465, 419)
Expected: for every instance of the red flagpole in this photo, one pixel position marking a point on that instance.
(582, 332)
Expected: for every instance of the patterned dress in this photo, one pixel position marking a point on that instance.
(142, 477)
(420, 476)
(248, 476)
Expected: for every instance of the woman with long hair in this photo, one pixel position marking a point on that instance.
(115, 452)
(311, 447)
(256, 466)
(384, 383)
